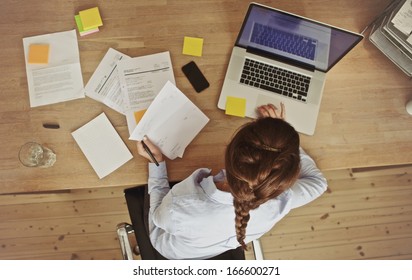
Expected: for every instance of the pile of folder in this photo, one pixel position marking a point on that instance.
(88, 21)
(392, 34)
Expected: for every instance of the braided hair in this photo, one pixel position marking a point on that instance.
(262, 160)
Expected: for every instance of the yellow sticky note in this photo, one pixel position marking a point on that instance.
(192, 46)
(83, 32)
(90, 18)
(235, 106)
(38, 54)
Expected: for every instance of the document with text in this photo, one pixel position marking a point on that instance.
(58, 77)
(403, 19)
(171, 122)
(104, 84)
(141, 79)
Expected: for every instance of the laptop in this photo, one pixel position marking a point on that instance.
(282, 57)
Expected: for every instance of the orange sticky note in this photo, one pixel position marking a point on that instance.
(235, 106)
(193, 46)
(138, 115)
(39, 54)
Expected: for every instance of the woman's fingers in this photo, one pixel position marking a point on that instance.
(270, 110)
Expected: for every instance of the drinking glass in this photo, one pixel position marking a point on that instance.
(33, 154)
(409, 107)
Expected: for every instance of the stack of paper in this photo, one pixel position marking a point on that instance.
(392, 34)
(402, 19)
(88, 21)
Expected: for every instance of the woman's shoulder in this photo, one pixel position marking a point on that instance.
(191, 184)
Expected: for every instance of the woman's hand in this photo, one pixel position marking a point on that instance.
(152, 147)
(271, 111)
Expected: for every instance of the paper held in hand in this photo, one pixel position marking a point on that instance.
(171, 122)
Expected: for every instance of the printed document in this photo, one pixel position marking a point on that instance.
(403, 19)
(104, 85)
(60, 79)
(102, 145)
(141, 79)
(171, 122)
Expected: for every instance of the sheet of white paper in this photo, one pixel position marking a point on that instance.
(171, 122)
(104, 85)
(59, 80)
(403, 19)
(141, 79)
(102, 145)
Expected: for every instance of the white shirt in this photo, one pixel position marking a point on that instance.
(195, 220)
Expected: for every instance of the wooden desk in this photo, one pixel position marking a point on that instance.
(362, 122)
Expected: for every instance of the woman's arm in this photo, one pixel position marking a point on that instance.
(311, 183)
(158, 181)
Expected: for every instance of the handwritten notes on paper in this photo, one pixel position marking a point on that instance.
(60, 79)
(171, 122)
(102, 145)
(141, 79)
(104, 85)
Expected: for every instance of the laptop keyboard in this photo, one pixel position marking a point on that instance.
(274, 79)
(288, 42)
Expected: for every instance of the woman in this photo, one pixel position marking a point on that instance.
(267, 174)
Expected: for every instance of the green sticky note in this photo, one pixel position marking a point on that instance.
(79, 24)
(235, 106)
(193, 46)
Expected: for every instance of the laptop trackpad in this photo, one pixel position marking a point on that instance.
(264, 100)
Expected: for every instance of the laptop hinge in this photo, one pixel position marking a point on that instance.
(281, 58)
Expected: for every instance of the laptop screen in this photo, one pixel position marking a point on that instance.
(295, 38)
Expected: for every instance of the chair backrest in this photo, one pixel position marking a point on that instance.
(135, 204)
(137, 201)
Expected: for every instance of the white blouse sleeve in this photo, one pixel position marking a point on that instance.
(311, 183)
(158, 188)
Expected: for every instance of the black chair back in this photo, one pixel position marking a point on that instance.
(137, 201)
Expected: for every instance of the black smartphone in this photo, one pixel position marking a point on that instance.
(195, 76)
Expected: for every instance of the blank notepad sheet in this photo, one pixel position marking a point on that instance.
(102, 145)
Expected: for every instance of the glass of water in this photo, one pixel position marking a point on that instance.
(33, 154)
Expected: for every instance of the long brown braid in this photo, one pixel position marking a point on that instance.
(262, 160)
